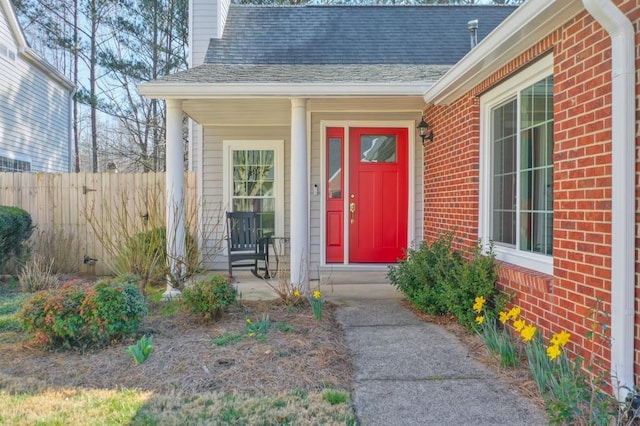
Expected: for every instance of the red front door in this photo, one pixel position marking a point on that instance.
(378, 194)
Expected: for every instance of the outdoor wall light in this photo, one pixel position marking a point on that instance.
(425, 133)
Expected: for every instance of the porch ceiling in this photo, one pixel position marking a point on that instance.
(277, 111)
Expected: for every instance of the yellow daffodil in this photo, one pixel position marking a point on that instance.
(252, 334)
(560, 339)
(528, 332)
(316, 294)
(514, 313)
(479, 304)
(480, 319)
(504, 317)
(553, 352)
(519, 325)
(296, 293)
(248, 321)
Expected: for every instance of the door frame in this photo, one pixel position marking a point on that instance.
(410, 125)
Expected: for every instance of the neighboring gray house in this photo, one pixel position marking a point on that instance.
(307, 115)
(35, 105)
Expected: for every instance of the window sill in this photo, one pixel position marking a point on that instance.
(539, 281)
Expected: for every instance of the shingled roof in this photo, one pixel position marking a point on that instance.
(362, 50)
(321, 35)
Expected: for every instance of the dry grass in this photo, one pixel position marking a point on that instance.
(276, 380)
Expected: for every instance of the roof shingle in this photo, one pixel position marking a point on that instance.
(316, 35)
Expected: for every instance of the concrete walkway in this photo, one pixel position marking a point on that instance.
(410, 372)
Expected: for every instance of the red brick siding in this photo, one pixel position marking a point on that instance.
(581, 282)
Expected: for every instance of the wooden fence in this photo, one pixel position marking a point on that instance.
(91, 207)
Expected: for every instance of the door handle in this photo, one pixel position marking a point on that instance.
(352, 209)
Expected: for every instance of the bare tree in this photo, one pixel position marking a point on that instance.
(150, 42)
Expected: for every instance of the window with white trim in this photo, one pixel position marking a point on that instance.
(517, 169)
(254, 181)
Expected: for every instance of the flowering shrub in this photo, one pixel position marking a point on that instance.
(81, 315)
(211, 298)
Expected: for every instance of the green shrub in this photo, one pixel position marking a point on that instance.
(476, 275)
(439, 280)
(15, 229)
(425, 274)
(209, 299)
(145, 254)
(80, 315)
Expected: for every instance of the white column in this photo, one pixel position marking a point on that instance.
(299, 230)
(175, 209)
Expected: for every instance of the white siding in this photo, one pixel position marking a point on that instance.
(35, 113)
(6, 37)
(207, 21)
(223, 11)
(212, 190)
(195, 141)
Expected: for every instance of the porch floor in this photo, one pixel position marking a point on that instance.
(337, 286)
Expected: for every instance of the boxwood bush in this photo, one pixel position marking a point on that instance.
(439, 280)
(15, 229)
(209, 299)
(82, 315)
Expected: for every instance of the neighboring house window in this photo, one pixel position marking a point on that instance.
(7, 53)
(254, 181)
(517, 169)
(12, 165)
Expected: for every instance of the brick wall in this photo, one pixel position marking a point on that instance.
(580, 286)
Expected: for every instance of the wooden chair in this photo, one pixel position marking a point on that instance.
(244, 247)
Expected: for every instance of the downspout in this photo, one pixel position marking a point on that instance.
(623, 198)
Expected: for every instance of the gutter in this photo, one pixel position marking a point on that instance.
(532, 21)
(623, 197)
(31, 55)
(283, 90)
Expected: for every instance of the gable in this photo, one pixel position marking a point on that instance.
(314, 35)
(10, 32)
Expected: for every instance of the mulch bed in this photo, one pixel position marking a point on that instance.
(299, 352)
(312, 355)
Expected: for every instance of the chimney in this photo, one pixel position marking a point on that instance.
(206, 21)
(473, 32)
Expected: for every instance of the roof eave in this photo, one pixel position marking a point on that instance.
(530, 23)
(14, 24)
(284, 90)
(31, 55)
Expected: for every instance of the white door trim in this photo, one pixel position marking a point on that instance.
(346, 125)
